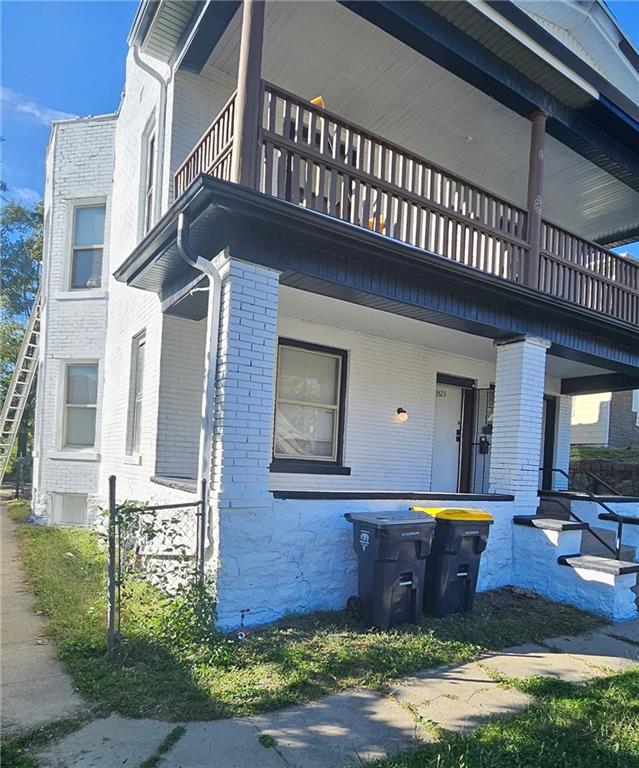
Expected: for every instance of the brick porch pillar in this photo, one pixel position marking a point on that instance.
(243, 418)
(517, 421)
(241, 504)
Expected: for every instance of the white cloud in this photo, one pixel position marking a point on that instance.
(24, 195)
(21, 104)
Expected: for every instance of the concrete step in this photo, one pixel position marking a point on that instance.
(590, 545)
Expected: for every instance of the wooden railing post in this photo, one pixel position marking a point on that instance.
(535, 194)
(247, 105)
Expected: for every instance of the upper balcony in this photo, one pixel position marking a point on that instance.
(311, 157)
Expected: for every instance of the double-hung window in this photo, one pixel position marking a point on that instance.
(80, 404)
(88, 246)
(136, 388)
(309, 407)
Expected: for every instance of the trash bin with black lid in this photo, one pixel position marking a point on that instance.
(452, 567)
(391, 551)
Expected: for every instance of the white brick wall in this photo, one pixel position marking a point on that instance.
(80, 161)
(242, 440)
(563, 439)
(383, 375)
(180, 398)
(517, 422)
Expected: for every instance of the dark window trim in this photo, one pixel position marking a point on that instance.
(310, 466)
(455, 381)
(548, 453)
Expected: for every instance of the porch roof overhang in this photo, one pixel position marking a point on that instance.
(324, 255)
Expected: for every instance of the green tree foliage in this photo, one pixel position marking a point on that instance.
(20, 260)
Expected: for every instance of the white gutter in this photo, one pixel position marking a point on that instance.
(161, 131)
(210, 360)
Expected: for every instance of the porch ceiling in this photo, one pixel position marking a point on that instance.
(325, 310)
(369, 77)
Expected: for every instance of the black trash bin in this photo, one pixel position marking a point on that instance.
(452, 567)
(391, 551)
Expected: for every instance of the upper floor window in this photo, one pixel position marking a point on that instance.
(149, 183)
(80, 404)
(88, 246)
(309, 408)
(136, 385)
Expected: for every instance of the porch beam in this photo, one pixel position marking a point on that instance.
(247, 102)
(605, 382)
(535, 193)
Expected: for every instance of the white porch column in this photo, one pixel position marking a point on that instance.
(563, 435)
(517, 420)
(241, 504)
(243, 418)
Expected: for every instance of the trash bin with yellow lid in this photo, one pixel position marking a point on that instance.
(452, 567)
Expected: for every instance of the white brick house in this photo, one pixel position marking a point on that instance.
(379, 330)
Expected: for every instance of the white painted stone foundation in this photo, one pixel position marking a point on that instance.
(297, 556)
(535, 567)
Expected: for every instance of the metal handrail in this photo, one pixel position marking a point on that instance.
(615, 517)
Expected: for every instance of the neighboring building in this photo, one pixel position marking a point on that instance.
(609, 419)
(398, 322)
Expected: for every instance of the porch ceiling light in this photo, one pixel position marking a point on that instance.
(401, 415)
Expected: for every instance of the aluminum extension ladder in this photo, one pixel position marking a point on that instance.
(20, 386)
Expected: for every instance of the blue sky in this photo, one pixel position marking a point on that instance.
(67, 58)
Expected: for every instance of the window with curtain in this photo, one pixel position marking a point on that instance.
(309, 403)
(136, 387)
(88, 246)
(80, 405)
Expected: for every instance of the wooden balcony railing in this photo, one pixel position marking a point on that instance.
(313, 158)
(212, 153)
(587, 274)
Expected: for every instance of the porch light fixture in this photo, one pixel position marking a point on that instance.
(401, 416)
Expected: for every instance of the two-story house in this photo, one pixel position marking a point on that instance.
(356, 255)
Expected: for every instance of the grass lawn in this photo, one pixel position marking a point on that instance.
(628, 455)
(567, 726)
(164, 674)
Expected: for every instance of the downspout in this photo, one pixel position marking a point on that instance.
(210, 361)
(161, 131)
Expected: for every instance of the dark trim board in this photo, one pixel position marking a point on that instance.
(607, 382)
(392, 495)
(455, 381)
(324, 255)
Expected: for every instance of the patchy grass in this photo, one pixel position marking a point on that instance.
(567, 726)
(19, 510)
(165, 675)
(14, 749)
(628, 455)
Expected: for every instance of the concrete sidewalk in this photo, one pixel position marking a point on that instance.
(337, 730)
(34, 688)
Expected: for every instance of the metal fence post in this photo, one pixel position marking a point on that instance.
(204, 502)
(111, 577)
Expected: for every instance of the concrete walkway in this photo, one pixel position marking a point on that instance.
(338, 730)
(34, 689)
